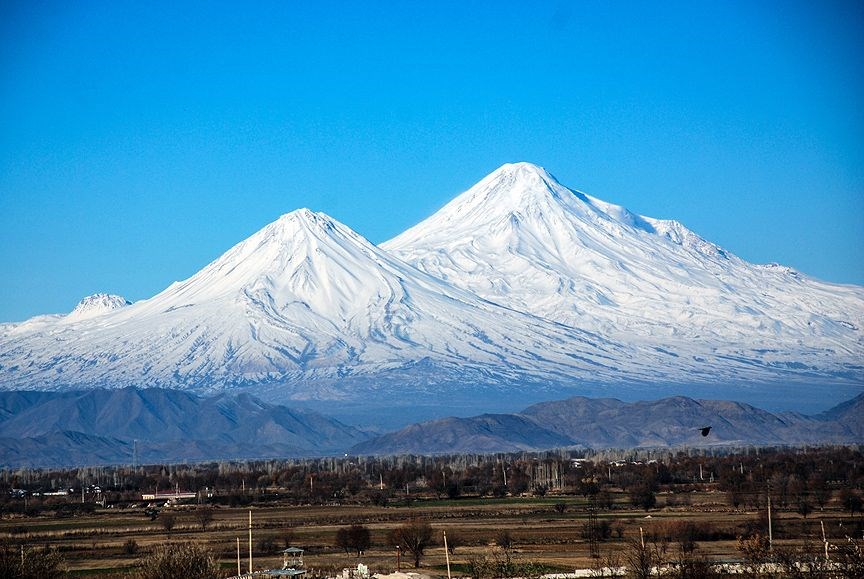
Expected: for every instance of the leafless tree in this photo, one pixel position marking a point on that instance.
(204, 516)
(641, 557)
(168, 521)
(454, 541)
(413, 536)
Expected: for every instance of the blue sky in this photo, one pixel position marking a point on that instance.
(140, 140)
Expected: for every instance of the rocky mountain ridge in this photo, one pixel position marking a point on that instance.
(103, 426)
(127, 425)
(609, 423)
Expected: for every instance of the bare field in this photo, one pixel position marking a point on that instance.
(98, 544)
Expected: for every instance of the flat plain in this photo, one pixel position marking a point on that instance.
(549, 530)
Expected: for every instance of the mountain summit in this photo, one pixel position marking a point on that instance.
(521, 239)
(518, 290)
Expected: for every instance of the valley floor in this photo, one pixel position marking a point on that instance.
(538, 532)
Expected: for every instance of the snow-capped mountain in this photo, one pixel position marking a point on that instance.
(521, 239)
(518, 290)
(310, 308)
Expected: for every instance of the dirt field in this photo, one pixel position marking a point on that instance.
(99, 544)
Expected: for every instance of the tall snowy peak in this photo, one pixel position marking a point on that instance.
(521, 239)
(519, 195)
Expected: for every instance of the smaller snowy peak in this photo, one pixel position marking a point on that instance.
(778, 268)
(292, 237)
(678, 234)
(304, 217)
(301, 223)
(523, 172)
(96, 305)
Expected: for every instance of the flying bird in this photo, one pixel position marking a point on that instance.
(705, 430)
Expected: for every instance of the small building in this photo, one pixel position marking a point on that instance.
(169, 496)
(280, 573)
(361, 572)
(292, 566)
(292, 559)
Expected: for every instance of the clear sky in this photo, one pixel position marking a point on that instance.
(140, 140)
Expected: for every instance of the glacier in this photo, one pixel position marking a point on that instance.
(518, 290)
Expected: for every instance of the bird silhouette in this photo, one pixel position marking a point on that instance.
(705, 430)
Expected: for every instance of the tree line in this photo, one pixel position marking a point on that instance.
(803, 479)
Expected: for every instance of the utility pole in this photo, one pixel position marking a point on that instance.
(447, 554)
(250, 541)
(238, 557)
(824, 540)
(770, 529)
(593, 531)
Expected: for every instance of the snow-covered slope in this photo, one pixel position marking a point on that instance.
(519, 290)
(310, 308)
(521, 239)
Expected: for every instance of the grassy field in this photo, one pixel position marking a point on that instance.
(100, 544)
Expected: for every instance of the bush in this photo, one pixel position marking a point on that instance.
(43, 563)
(691, 531)
(179, 561)
(640, 558)
(130, 547)
(597, 530)
(503, 564)
(504, 540)
(643, 496)
(268, 545)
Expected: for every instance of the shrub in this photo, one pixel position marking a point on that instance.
(267, 545)
(43, 563)
(168, 521)
(597, 530)
(179, 561)
(130, 547)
